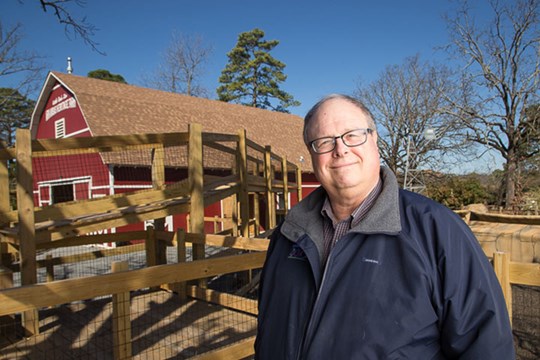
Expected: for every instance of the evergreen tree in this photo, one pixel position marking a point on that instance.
(15, 112)
(253, 77)
(106, 75)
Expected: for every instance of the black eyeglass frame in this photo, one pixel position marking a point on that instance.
(367, 131)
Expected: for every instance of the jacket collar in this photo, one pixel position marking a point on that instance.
(305, 218)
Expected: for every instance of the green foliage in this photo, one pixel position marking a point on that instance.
(106, 75)
(253, 77)
(456, 192)
(15, 112)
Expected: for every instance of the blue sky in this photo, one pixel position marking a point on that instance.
(326, 46)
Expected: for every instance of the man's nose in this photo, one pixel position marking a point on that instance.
(340, 148)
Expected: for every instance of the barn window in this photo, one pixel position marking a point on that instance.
(60, 128)
(61, 193)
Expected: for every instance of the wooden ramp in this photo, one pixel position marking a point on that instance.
(80, 217)
(163, 327)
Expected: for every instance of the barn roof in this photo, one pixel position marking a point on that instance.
(112, 108)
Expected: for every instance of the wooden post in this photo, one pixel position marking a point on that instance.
(27, 229)
(257, 204)
(49, 268)
(299, 183)
(151, 248)
(180, 287)
(234, 214)
(121, 319)
(6, 278)
(5, 205)
(216, 221)
(158, 182)
(270, 209)
(158, 167)
(195, 180)
(501, 265)
(6, 282)
(285, 172)
(5, 197)
(243, 196)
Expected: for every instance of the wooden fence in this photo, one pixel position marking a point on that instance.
(509, 273)
(175, 276)
(121, 282)
(255, 171)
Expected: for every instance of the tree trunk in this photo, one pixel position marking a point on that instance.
(510, 178)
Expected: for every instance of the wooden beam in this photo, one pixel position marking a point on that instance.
(107, 221)
(5, 206)
(93, 239)
(242, 243)
(25, 208)
(77, 258)
(223, 299)
(243, 194)
(158, 167)
(180, 287)
(270, 208)
(501, 266)
(6, 278)
(108, 142)
(525, 274)
(195, 179)
(25, 298)
(285, 172)
(117, 202)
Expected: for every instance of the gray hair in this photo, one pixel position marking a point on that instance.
(359, 104)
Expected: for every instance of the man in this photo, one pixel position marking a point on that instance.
(361, 269)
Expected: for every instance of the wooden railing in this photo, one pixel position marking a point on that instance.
(174, 276)
(253, 172)
(509, 273)
(120, 282)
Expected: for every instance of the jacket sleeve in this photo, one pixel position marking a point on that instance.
(475, 322)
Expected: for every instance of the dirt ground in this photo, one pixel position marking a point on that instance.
(162, 327)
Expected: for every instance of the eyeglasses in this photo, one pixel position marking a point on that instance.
(351, 138)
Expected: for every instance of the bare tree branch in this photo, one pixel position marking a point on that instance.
(406, 101)
(23, 68)
(182, 66)
(72, 26)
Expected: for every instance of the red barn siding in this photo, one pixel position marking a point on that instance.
(61, 104)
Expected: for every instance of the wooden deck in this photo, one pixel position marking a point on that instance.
(163, 327)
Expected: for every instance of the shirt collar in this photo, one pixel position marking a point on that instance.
(358, 213)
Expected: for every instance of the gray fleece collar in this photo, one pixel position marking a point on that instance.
(305, 218)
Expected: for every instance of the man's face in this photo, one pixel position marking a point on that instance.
(351, 169)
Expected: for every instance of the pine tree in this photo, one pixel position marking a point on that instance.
(15, 112)
(253, 77)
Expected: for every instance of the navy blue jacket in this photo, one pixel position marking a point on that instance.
(409, 282)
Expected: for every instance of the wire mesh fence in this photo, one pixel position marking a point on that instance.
(154, 324)
(162, 326)
(526, 321)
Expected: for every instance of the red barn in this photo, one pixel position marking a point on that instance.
(74, 106)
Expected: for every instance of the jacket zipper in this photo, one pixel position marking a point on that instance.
(310, 325)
